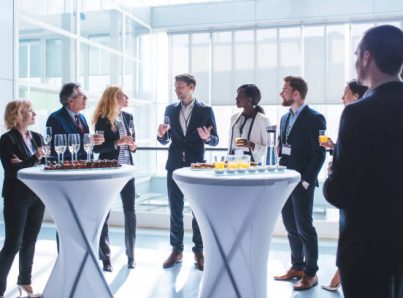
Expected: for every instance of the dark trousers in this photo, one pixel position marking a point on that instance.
(23, 220)
(370, 278)
(175, 197)
(297, 218)
(128, 196)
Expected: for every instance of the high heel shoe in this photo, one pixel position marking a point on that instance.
(330, 287)
(23, 290)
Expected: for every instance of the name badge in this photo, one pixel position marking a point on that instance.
(286, 149)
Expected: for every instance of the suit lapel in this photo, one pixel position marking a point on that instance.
(194, 118)
(22, 147)
(175, 119)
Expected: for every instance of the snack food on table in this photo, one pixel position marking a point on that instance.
(82, 164)
(202, 165)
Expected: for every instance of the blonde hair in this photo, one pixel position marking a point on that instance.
(14, 112)
(108, 106)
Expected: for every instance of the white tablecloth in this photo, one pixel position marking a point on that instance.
(236, 214)
(78, 201)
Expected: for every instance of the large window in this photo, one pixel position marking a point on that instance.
(93, 42)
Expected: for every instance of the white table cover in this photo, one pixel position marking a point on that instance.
(78, 201)
(236, 214)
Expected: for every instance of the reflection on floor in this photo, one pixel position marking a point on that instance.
(182, 281)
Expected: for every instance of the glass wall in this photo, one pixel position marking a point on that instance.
(93, 42)
(322, 54)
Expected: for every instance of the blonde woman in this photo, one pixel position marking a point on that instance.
(118, 128)
(23, 210)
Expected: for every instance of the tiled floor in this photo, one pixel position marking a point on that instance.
(182, 281)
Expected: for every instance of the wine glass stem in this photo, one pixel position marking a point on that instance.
(46, 160)
(58, 158)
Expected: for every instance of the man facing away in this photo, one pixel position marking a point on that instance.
(366, 177)
(299, 150)
(192, 125)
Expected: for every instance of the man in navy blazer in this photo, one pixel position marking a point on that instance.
(192, 125)
(299, 150)
(366, 176)
(69, 120)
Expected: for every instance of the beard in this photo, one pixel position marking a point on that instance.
(287, 102)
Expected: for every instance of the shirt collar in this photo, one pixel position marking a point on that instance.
(189, 106)
(71, 113)
(298, 110)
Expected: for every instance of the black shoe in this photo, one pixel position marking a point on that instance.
(131, 263)
(107, 266)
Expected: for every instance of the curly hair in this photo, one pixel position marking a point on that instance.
(108, 106)
(14, 112)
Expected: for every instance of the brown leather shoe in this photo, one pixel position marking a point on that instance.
(291, 273)
(174, 258)
(306, 283)
(199, 261)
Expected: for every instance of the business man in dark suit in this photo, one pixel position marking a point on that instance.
(69, 120)
(365, 180)
(192, 125)
(299, 150)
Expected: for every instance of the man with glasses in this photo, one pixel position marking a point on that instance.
(69, 120)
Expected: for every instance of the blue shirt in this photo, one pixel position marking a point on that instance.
(292, 118)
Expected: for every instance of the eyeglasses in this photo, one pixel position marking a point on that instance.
(80, 94)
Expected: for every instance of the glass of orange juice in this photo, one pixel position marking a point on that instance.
(323, 138)
(232, 162)
(244, 162)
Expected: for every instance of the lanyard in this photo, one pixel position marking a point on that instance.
(286, 131)
(186, 118)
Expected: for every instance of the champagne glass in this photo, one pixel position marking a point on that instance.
(64, 147)
(88, 144)
(131, 129)
(167, 123)
(76, 148)
(46, 142)
(60, 146)
(72, 143)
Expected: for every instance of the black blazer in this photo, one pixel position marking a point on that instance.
(12, 143)
(190, 144)
(62, 123)
(366, 183)
(307, 156)
(107, 149)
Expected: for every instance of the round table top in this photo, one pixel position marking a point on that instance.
(38, 173)
(208, 176)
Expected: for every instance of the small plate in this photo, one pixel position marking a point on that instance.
(281, 168)
(241, 171)
(271, 168)
(261, 169)
(219, 172)
(231, 171)
(252, 170)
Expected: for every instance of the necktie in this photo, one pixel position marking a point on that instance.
(76, 119)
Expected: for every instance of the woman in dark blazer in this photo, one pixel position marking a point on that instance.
(119, 143)
(23, 210)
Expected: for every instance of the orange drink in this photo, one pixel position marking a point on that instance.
(219, 165)
(323, 139)
(232, 162)
(244, 162)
